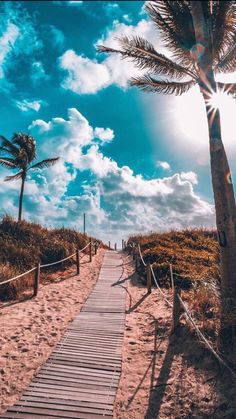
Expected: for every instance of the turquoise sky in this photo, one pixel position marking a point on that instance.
(132, 161)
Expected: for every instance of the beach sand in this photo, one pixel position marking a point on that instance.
(165, 376)
(29, 330)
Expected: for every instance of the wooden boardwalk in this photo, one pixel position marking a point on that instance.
(80, 378)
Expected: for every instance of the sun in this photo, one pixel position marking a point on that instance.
(191, 122)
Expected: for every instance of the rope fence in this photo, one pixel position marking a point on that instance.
(37, 269)
(177, 304)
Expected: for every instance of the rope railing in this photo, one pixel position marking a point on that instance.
(177, 302)
(37, 268)
(18, 276)
(203, 338)
(46, 265)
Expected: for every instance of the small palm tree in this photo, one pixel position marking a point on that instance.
(202, 38)
(18, 154)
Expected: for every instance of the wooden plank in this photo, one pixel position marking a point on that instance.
(51, 413)
(60, 400)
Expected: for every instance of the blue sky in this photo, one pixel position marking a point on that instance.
(132, 161)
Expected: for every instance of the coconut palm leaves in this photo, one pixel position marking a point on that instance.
(18, 154)
(175, 24)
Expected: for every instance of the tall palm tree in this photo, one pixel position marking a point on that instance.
(202, 38)
(18, 154)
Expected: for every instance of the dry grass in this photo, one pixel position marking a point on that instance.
(23, 245)
(194, 255)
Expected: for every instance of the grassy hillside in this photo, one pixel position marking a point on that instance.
(194, 255)
(23, 244)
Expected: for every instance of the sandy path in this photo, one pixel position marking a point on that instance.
(164, 377)
(29, 330)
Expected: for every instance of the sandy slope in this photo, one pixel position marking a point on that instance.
(29, 330)
(163, 376)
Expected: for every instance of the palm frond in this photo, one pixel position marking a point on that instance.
(45, 163)
(26, 143)
(144, 55)
(14, 177)
(229, 88)
(148, 84)
(174, 21)
(224, 31)
(8, 163)
(227, 64)
(8, 146)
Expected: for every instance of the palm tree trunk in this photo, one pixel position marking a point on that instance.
(226, 222)
(21, 197)
(221, 178)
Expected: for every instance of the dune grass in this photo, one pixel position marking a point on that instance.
(194, 255)
(24, 244)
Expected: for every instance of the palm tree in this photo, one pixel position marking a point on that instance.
(202, 38)
(18, 154)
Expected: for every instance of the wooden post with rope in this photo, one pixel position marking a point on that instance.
(176, 309)
(77, 261)
(149, 278)
(36, 280)
(90, 250)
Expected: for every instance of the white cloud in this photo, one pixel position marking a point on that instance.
(75, 3)
(84, 75)
(27, 105)
(190, 177)
(18, 37)
(89, 76)
(104, 134)
(163, 164)
(7, 41)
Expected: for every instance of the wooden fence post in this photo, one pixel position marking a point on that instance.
(90, 250)
(95, 248)
(176, 309)
(36, 280)
(115, 246)
(109, 244)
(149, 278)
(122, 244)
(77, 261)
(171, 277)
(136, 262)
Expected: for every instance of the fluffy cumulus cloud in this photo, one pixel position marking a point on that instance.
(85, 75)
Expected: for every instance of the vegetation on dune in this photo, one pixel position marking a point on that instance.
(24, 244)
(194, 255)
